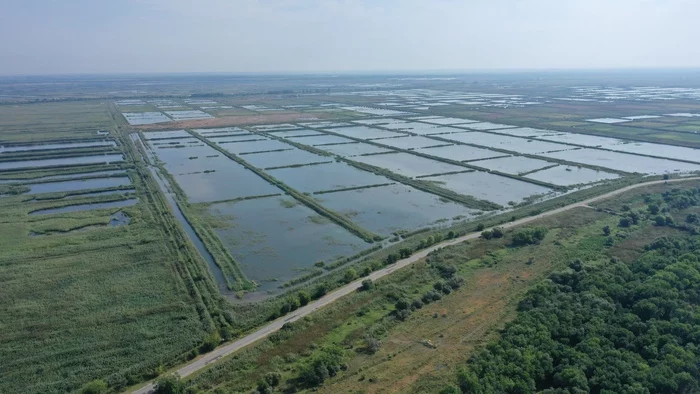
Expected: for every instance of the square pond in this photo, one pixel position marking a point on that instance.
(387, 209)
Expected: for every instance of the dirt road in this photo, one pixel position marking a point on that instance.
(329, 298)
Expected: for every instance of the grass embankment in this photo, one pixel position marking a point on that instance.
(381, 351)
(339, 219)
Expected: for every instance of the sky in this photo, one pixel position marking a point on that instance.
(168, 36)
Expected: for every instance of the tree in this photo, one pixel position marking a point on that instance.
(97, 386)
(210, 342)
(692, 218)
(367, 285)
(653, 209)
(349, 275)
(497, 232)
(480, 227)
(450, 390)
(486, 234)
(624, 222)
(304, 297)
(372, 344)
(606, 231)
(659, 220)
(170, 384)
(404, 253)
(392, 258)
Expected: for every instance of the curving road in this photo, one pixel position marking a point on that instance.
(329, 298)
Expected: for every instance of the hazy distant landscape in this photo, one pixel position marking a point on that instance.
(143, 227)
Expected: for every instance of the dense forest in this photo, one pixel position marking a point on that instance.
(612, 328)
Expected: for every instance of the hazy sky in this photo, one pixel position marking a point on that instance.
(95, 36)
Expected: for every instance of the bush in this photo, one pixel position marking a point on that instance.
(97, 386)
(372, 344)
(692, 218)
(367, 285)
(480, 227)
(455, 282)
(404, 253)
(529, 236)
(446, 271)
(349, 275)
(659, 220)
(606, 230)
(392, 258)
(402, 304)
(624, 222)
(323, 366)
(320, 291)
(170, 384)
(497, 232)
(210, 342)
(304, 298)
(416, 304)
(486, 234)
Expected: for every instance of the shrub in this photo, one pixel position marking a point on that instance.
(170, 384)
(367, 285)
(480, 227)
(606, 230)
(529, 236)
(323, 366)
(372, 344)
(349, 275)
(210, 342)
(416, 304)
(497, 232)
(97, 386)
(486, 234)
(304, 298)
(402, 304)
(624, 222)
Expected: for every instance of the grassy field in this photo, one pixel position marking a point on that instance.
(496, 275)
(83, 300)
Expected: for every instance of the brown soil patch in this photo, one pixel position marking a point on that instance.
(232, 121)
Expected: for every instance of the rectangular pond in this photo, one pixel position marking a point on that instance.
(388, 209)
(227, 139)
(292, 157)
(187, 115)
(568, 176)
(513, 165)
(141, 118)
(449, 121)
(221, 130)
(623, 161)
(78, 184)
(324, 177)
(295, 133)
(206, 175)
(408, 165)
(412, 142)
(35, 147)
(487, 126)
(365, 132)
(460, 152)
(527, 132)
(274, 239)
(321, 140)
(348, 150)
(244, 147)
(513, 144)
(491, 187)
(154, 135)
(275, 127)
(67, 161)
(87, 207)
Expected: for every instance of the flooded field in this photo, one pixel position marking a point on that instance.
(205, 175)
(349, 150)
(244, 147)
(410, 142)
(387, 209)
(569, 176)
(75, 185)
(460, 152)
(142, 118)
(292, 157)
(324, 177)
(154, 135)
(513, 165)
(484, 186)
(407, 164)
(449, 121)
(87, 207)
(35, 147)
(275, 239)
(188, 115)
(365, 132)
(623, 161)
(321, 140)
(68, 161)
(513, 144)
(487, 126)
